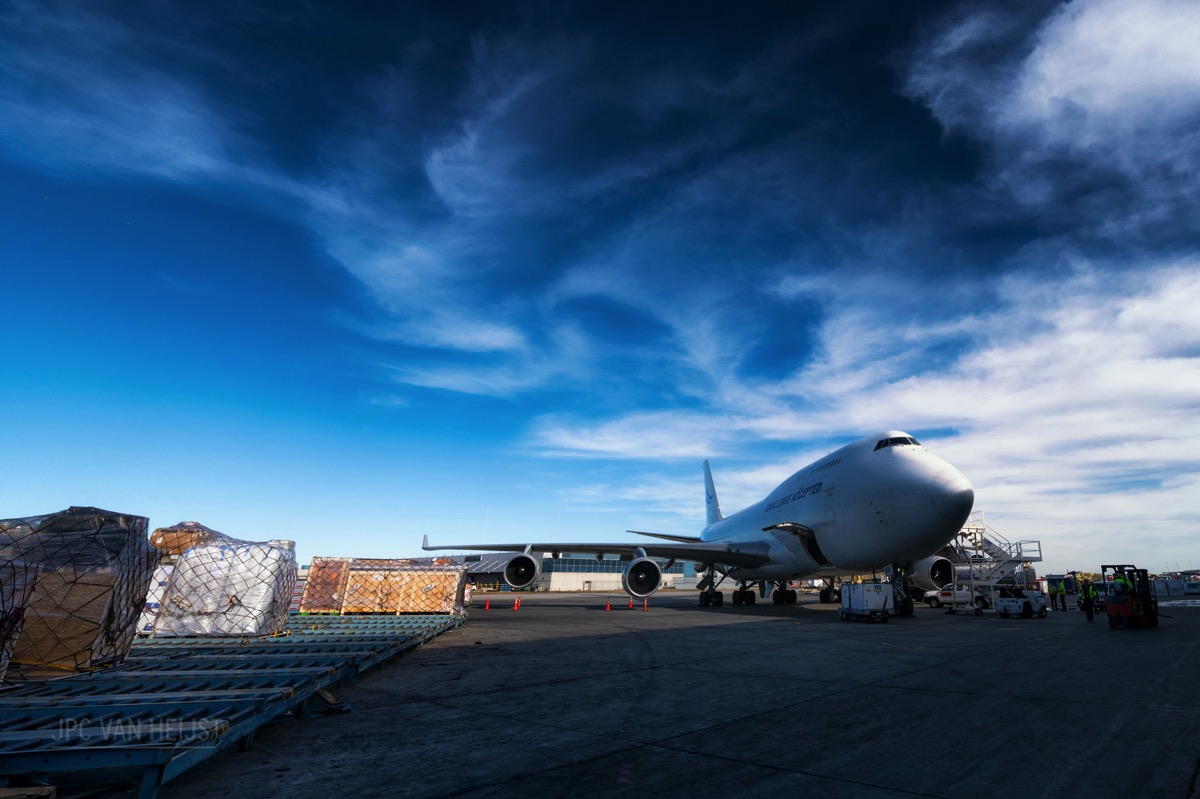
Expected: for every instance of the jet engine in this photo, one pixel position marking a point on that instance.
(932, 572)
(641, 577)
(521, 571)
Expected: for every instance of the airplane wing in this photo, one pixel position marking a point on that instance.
(687, 539)
(747, 555)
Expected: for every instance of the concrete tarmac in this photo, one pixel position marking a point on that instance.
(563, 698)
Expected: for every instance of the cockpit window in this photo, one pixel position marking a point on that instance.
(897, 441)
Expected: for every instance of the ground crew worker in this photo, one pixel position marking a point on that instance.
(1121, 584)
(1062, 594)
(1086, 592)
(1052, 590)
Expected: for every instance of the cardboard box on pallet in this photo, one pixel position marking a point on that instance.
(179, 538)
(437, 589)
(94, 569)
(325, 588)
(370, 585)
(17, 580)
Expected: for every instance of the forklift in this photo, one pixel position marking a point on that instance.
(1130, 600)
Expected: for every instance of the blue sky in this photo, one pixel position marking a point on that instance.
(502, 271)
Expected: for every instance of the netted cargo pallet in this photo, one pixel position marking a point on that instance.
(212, 584)
(17, 580)
(94, 568)
(372, 585)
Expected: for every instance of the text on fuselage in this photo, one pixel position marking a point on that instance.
(799, 493)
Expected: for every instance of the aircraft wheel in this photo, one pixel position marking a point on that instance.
(750, 598)
(791, 596)
(718, 599)
(704, 599)
(825, 595)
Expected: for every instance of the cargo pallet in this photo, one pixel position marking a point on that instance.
(175, 702)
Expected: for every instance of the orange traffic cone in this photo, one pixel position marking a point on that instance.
(646, 603)
(608, 605)
(487, 604)
(517, 603)
(631, 603)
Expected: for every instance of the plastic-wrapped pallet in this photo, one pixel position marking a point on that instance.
(17, 580)
(227, 587)
(372, 585)
(155, 597)
(94, 568)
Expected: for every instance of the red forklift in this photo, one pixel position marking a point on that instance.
(1130, 600)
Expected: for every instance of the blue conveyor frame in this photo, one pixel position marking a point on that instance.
(175, 702)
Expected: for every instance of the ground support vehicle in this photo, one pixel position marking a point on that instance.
(866, 602)
(1011, 600)
(1131, 601)
(956, 595)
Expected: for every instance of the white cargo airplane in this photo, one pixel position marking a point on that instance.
(882, 501)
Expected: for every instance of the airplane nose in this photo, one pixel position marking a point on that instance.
(952, 494)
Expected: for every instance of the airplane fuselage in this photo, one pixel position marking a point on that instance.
(883, 499)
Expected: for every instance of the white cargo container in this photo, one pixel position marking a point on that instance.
(868, 601)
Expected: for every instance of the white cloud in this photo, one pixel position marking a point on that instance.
(1076, 403)
(70, 97)
(654, 435)
(1110, 70)
(1111, 88)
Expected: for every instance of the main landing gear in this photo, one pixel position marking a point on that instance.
(709, 595)
(831, 593)
(782, 595)
(745, 593)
